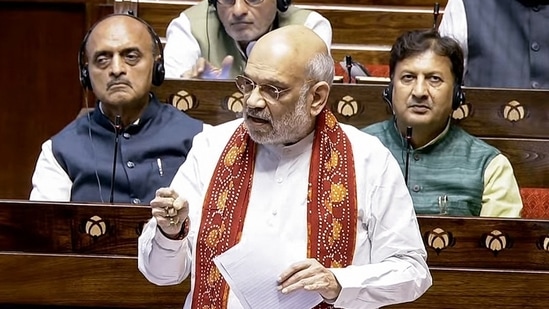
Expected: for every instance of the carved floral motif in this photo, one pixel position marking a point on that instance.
(496, 241)
(439, 239)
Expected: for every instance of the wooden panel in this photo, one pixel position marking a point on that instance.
(493, 110)
(200, 99)
(40, 83)
(39, 80)
(466, 273)
(373, 25)
(362, 54)
(490, 112)
(524, 140)
(471, 288)
(116, 283)
(71, 228)
(464, 243)
(160, 15)
(530, 160)
(83, 281)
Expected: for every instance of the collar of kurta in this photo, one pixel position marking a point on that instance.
(331, 206)
(397, 135)
(148, 114)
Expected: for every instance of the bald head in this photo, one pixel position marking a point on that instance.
(291, 39)
(295, 62)
(288, 49)
(117, 25)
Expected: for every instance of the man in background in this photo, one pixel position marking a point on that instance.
(504, 42)
(213, 38)
(448, 171)
(120, 59)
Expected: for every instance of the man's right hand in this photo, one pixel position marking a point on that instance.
(170, 211)
(205, 70)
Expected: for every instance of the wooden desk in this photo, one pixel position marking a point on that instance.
(85, 255)
(48, 256)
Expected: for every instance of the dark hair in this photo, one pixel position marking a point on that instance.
(415, 42)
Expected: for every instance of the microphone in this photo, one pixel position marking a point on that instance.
(349, 66)
(117, 130)
(353, 68)
(408, 145)
(435, 14)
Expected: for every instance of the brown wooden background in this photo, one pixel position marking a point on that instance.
(38, 79)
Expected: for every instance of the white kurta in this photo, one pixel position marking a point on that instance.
(389, 261)
(454, 25)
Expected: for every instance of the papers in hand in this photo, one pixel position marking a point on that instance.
(251, 269)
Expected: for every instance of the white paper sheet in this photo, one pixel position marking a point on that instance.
(251, 269)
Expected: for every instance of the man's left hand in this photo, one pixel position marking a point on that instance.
(311, 276)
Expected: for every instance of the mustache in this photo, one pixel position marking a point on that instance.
(419, 103)
(118, 82)
(258, 114)
(240, 19)
(416, 104)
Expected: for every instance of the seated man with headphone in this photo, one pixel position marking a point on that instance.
(130, 144)
(447, 170)
(212, 39)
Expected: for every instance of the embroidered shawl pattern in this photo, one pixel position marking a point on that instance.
(331, 207)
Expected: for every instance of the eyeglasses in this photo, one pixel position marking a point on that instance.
(268, 92)
(231, 2)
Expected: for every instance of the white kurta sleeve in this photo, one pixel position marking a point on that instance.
(49, 181)
(161, 260)
(164, 261)
(454, 24)
(182, 50)
(397, 271)
(321, 26)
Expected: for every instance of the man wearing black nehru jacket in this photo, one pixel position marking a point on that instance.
(120, 59)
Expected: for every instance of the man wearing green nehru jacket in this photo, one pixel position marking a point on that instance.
(448, 171)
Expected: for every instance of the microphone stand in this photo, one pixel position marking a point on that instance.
(435, 14)
(349, 66)
(408, 145)
(117, 130)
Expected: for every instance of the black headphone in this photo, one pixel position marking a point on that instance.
(281, 5)
(457, 100)
(158, 66)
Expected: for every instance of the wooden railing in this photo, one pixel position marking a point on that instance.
(84, 255)
(514, 121)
